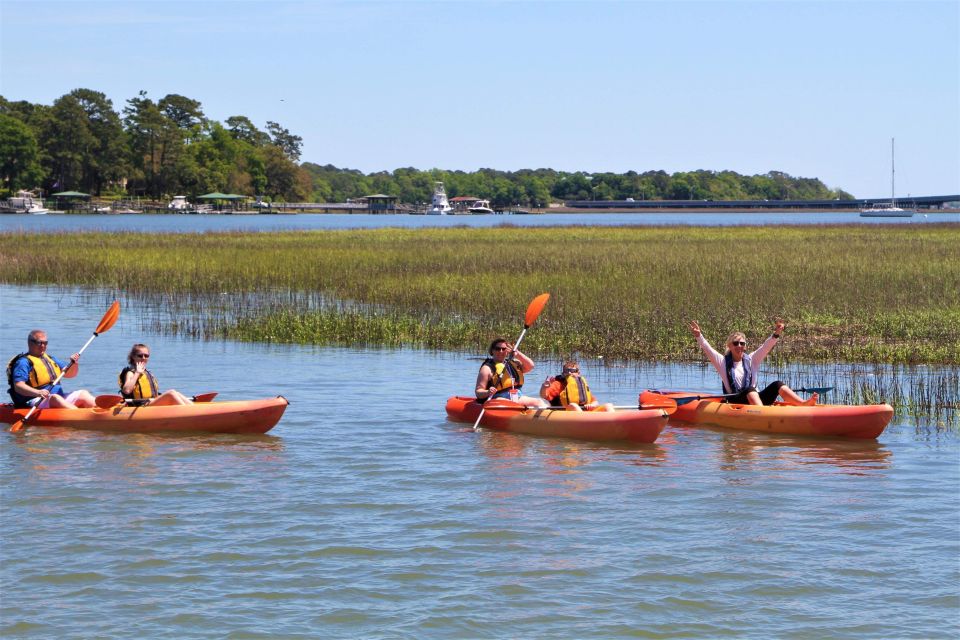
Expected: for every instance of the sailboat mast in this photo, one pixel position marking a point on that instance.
(893, 191)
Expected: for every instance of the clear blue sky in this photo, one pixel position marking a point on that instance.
(815, 89)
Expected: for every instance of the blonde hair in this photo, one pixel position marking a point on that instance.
(734, 336)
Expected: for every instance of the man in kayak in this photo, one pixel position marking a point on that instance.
(501, 375)
(139, 385)
(570, 390)
(738, 369)
(31, 377)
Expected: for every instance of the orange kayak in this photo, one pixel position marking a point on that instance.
(844, 421)
(635, 425)
(243, 416)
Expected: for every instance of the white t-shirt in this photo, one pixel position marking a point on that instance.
(716, 358)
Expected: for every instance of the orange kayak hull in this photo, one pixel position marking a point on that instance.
(242, 416)
(864, 422)
(502, 415)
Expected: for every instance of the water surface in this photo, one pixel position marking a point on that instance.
(171, 223)
(365, 513)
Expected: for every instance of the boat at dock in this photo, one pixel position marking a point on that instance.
(480, 207)
(887, 209)
(24, 202)
(179, 204)
(439, 206)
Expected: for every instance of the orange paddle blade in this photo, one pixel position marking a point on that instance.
(108, 402)
(109, 318)
(534, 309)
(651, 400)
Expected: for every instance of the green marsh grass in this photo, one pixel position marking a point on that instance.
(849, 293)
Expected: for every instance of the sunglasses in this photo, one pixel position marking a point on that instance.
(141, 355)
(501, 349)
(738, 343)
(42, 343)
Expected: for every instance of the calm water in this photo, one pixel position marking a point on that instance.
(200, 223)
(366, 514)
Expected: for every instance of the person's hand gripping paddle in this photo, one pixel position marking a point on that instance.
(533, 312)
(108, 320)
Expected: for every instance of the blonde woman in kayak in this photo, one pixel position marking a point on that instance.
(501, 375)
(738, 369)
(139, 385)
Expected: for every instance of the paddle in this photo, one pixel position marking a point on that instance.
(533, 312)
(707, 396)
(109, 401)
(653, 400)
(618, 407)
(108, 320)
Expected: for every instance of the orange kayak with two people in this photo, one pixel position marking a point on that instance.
(832, 420)
(240, 416)
(632, 425)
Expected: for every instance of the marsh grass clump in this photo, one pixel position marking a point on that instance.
(850, 293)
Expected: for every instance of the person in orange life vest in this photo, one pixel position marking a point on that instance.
(31, 377)
(137, 383)
(738, 369)
(570, 390)
(503, 372)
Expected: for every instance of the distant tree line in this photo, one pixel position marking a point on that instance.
(153, 149)
(160, 148)
(538, 187)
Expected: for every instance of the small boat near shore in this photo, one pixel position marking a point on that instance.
(480, 207)
(630, 425)
(24, 202)
(439, 205)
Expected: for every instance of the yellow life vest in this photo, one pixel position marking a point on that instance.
(576, 391)
(146, 386)
(43, 370)
(506, 375)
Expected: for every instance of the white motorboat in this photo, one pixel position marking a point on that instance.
(179, 203)
(480, 207)
(887, 209)
(24, 202)
(440, 206)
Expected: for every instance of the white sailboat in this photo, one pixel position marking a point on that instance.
(440, 206)
(887, 209)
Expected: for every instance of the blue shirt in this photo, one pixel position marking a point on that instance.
(21, 373)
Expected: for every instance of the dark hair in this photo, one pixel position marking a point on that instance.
(495, 342)
(133, 350)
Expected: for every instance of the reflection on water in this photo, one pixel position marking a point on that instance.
(854, 457)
